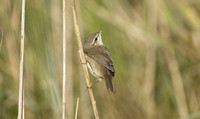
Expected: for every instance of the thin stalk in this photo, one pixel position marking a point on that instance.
(82, 58)
(77, 103)
(64, 63)
(21, 78)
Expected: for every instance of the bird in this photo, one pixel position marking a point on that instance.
(98, 60)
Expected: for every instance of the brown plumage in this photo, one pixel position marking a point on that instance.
(99, 60)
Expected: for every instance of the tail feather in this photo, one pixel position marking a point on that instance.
(109, 84)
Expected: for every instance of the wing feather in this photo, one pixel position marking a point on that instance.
(102, 56)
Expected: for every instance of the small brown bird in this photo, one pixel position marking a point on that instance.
(99, 60)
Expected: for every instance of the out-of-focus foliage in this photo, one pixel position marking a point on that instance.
(155, 45)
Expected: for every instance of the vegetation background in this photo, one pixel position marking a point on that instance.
(155, 45)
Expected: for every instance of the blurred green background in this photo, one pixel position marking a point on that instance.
(155, 45)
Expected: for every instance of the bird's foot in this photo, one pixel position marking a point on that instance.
(93, 83)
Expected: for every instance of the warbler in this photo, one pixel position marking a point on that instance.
(98, 60)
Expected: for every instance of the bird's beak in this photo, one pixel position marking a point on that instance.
(100, 31)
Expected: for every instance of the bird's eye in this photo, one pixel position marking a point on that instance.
(96, 39)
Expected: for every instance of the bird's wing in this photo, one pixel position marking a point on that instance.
(102, 56)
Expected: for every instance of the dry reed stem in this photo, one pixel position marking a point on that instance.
(21, 78)
(23, 106)
(64, 64)
(86, 114)
(76, 113)
(82, 57)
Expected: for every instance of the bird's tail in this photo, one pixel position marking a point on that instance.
(109, 83)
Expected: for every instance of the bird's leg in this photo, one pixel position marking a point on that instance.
(95, 82)
(83, 62)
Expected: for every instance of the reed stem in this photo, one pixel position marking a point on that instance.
(82, 57)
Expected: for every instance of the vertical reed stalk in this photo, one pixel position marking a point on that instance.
(64, 64)
(21, 78)
(76, 113)
(82, 57)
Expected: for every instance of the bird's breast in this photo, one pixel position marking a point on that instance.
(95, 68)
